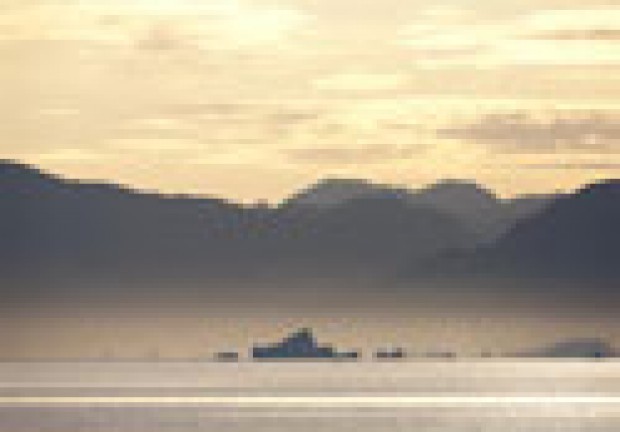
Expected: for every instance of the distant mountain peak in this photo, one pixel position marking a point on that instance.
(18, 176)
(335, 191)
(603, 187)
(12, 167)
(332, 191)
(341, 181)
(461, 188)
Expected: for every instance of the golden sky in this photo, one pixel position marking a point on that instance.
(252, 99)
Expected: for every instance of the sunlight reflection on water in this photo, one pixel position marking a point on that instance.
(366, 397)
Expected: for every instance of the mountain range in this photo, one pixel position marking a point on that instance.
(576, 237)
(55, 229)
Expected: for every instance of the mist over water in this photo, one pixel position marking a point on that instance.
(467, 324)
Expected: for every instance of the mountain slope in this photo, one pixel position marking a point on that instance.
(55, 229)
(58, 227)
(481, 211)
(374, 234)
(576, 236)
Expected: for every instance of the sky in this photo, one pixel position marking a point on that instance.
(252, 99)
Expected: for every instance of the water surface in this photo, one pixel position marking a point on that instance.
(448, 396)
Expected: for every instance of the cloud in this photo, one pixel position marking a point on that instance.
(264, 112)
(155, 128)
(521, 132)
(450, 35)
(162, 37)
(534, 38)
(200, 109)
(577, 19)
(291, 117)
(74, 155)
(567, 36)
(156, 25)
(360, 155)
(578, 166)
(576, 35)
(361, 82)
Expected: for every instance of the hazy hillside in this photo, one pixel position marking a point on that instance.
(57, 231)
(374, 233)
(575, 236)
(478, 209)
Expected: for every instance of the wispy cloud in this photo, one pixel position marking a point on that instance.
(353, 155)
(522, 132)
(577, 35)
(577, 166)
(536, 38)
(217, 24)
(364, 82)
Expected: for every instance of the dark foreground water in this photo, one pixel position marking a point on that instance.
(400, 396)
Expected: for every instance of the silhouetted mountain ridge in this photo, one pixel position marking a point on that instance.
(479, 209)
(54, 228)
(576, 236)
(57, 230)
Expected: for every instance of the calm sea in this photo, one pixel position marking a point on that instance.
(456, 395)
